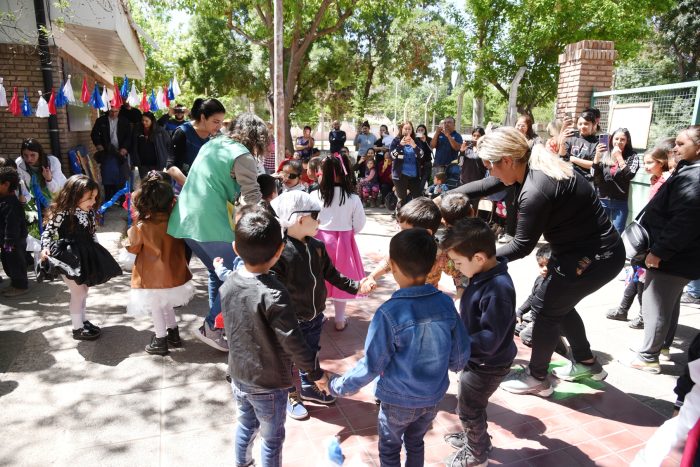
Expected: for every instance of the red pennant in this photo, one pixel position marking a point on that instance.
(165, 96)
(14, 107)
(52, 103)
(144, 102)
(85, 95)
(116, 101)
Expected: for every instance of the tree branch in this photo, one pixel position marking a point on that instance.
(499, 88)
(233, 27)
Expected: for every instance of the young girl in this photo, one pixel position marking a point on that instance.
(656, 164)
(160, 277)
(341, 217)
(70, 245)
(367, 186)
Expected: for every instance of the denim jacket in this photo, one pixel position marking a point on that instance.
(413, 339)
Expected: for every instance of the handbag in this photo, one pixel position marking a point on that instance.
(636, 240)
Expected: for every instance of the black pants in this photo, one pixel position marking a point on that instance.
(554, 304)
(407, 188)
(15, 264)
(632, 289)
(476, 385)
(511, 212)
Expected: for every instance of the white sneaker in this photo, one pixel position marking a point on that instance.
(212, 337)
(522, 382)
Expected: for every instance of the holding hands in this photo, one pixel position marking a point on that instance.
(367, 285)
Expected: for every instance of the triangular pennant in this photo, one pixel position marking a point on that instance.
(176, 87)
(96, 98)
(14, 107)
(67, 92)
(26, 107)
(52, 103)
(85, 92)
(42, 107)
(169, 93)
(3, 95)
(116, 101)
(124, 90)
(144, 102)
(160, 100)
(152, 102)
(105, 99)
(133, 99)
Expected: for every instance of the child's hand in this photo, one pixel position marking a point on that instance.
(45, 254)
(367, 285)
(218, 262)
(322, 383)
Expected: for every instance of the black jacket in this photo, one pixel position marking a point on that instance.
(13, 225)
(100, 133)
(160, 139)
(617, 185)
(337, 139)
(527, 304)
(672, 218)
(263, 333)
(302, 268)
(397, 157)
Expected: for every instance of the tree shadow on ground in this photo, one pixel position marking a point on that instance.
(115, 344)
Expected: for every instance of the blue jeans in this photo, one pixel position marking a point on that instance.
(206, 252)
(396, 423)
(312, 335)
(693, 288)
(616, 210)
(264, 411)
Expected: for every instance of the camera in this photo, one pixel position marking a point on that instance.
(576, 134)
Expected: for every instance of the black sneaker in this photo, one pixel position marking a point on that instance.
(314, 394)
(174, 337)
(92, 327)
(158, 346)
(85, 334)
(637, 323)
(616, 314)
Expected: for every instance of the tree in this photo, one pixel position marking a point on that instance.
(677, 30)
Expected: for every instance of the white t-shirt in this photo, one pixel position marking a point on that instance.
(339, 218)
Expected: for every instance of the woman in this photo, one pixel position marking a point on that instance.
(207, 118)
(225, 168)
(407, 159)
(555, 201)
(152, 146)
(524, 125)
(614, 167)
(579, 146)
(39, 171)
(305, 144)
(471, 166)
(427, 166)
(672, 219)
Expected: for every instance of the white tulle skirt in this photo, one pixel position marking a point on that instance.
(143, 301)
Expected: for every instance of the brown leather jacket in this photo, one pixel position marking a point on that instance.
(160, 258)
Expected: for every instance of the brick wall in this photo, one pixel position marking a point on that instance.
(20, 66)
(584, 66)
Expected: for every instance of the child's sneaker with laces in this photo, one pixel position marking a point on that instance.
(458, 440)
(89, 332)
(576, 370)
(314, 394)
(295, 409)
(465, 458)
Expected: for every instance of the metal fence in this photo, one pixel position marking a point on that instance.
(675, 107)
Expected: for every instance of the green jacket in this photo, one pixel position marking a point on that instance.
(201, 211)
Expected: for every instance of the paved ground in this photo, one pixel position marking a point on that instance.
(108, 403)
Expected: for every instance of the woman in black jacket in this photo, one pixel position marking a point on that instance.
(555, 201)
(407, 155)
(152, 146)
(672, 219)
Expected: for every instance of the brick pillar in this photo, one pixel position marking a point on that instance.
(584, 67)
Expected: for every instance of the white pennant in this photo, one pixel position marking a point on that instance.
(133, 99)
(42, 107)
(159, 99)
(68, 91)
(105, 99)
(176, 87)
(3, 95)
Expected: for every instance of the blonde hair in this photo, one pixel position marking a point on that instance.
(554, 128)
(509, 142)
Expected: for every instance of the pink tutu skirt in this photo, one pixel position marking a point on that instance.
(345, 255)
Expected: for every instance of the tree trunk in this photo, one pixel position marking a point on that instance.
(460, 104)
(478, 111)
(512, 112)
(366, 90)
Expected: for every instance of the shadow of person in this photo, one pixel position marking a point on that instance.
(115, 344)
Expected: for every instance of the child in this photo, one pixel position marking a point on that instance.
(412, 341)
(367, 186)
(455, 206)
(263, 333)
(306, 180)
(69, 244)
(291, 176)
(341, 217)
(304, 268)
(487, 309)
(439, 186)
(13, 228)
(386, 183)
(313, 173)
(268, 190)
(160, 279)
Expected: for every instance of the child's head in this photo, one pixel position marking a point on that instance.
(412, 254)
(9, 180)
(656, 161)
(297, 212)
(8, 162)
(440, 178)
(335, 172)
(369, 164)
(313, 168)
(420, 212)
(258, 239)
(455, 206)
(543, 254)
(268, 187)
(471, 244)
(291, 173)
(79, 192)
(154, 196)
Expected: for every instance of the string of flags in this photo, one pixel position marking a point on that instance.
(103, 99)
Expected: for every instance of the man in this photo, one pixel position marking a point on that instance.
(111, 136)
(336, 137)
(173, 119)
(364, 140)
(446, 143)
(131, 114)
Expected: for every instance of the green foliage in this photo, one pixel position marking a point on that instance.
(677, 33)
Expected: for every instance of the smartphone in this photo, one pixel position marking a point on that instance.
(576, 134)
(604, 139)
(569, 115)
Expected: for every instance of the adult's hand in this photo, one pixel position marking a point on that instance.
(46, 172)
(599, 150)
(652, 261)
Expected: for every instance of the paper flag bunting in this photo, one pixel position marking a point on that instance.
(61, 99)
(176, 87)
(116, 101)
(124, 92)
(166, 96)
(85, 93)
(160, 100)
(133, 99)
(26, 107)
(3, 95)
(68, 92)
(171, 94)
(152, 103)
(144, 102)
(96, 98)
(52, 103)
(105, 99)
(42, 107)
(14, 103)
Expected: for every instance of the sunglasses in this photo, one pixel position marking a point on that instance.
(291, 176)
(313, 214)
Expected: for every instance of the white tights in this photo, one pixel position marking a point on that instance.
(163, 319)
(339, 306)
(78, 297)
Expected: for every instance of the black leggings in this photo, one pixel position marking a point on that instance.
(554, 304)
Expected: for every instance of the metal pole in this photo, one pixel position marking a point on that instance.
(278, 86)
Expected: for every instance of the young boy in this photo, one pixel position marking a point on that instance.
(303, 268)
(412, 341)
(455, 206)
(313, 172)
(487, 309)
(13, 228)
(263, 336)
(439, 185)
(291, 176)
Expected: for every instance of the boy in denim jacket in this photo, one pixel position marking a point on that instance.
(412, 341)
